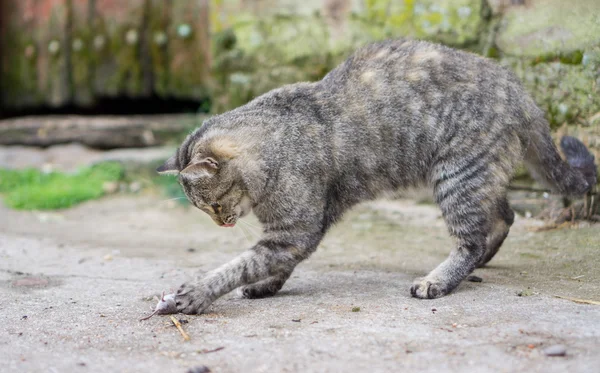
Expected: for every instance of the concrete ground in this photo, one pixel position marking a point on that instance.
(74, 284)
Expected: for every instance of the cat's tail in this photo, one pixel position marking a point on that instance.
(573, 177)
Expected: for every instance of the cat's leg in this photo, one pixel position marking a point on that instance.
(504, 220)
(468, 201)
(265, 288)
(445, 277)
(275, 256)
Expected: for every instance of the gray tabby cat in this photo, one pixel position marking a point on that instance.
(396, 114)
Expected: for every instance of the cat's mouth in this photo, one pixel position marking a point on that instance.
(227, 222)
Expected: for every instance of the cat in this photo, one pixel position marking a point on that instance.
(395, 114)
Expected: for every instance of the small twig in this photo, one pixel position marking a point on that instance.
(205, 351)
(581, 301)
(180, 328)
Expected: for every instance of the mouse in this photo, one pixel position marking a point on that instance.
(166, 305)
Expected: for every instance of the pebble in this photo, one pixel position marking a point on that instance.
(199, 369)
(135, 187)
(474, 278)
(556, 350)
(110, 187)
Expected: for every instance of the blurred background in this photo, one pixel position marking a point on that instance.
(88, 81)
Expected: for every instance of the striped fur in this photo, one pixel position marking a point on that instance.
(395, 114)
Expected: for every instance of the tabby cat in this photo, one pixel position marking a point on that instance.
(394, 115)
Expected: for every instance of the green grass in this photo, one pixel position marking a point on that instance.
(170, 186)
(31, 189)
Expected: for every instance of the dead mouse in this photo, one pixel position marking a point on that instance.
(166, 305)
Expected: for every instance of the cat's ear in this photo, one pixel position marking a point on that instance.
(169, 167)
(207, 167)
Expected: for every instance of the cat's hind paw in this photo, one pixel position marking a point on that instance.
(425, 288)
(256, 291)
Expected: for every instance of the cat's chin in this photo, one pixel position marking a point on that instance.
(244, 207)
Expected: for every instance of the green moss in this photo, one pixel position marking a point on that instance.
(170, 187)
(567, 92)
(32, 189)
(568, 58)
(355, 309)
(455, 22)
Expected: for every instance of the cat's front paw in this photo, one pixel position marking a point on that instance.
(426, 288)
(262, 289)
(191, 299)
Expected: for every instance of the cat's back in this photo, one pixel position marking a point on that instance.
(418, 66)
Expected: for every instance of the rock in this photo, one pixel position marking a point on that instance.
(451, 22)
(501, 6)
(135, 187)
(110, 187)
(549, 27)
(567, 92)
(556, 350)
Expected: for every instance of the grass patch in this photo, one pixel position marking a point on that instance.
(171, 188)
(31, 189)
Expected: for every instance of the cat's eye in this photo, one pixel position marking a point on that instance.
(216, 207)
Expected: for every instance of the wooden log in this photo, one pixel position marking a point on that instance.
(104, 132)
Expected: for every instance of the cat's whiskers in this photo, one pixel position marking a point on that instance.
(245, 222)
(248, 227)
(172, 199)
(245, 235)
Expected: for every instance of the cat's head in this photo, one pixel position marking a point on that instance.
(210, 179)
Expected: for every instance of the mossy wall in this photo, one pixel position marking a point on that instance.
(552, 45)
